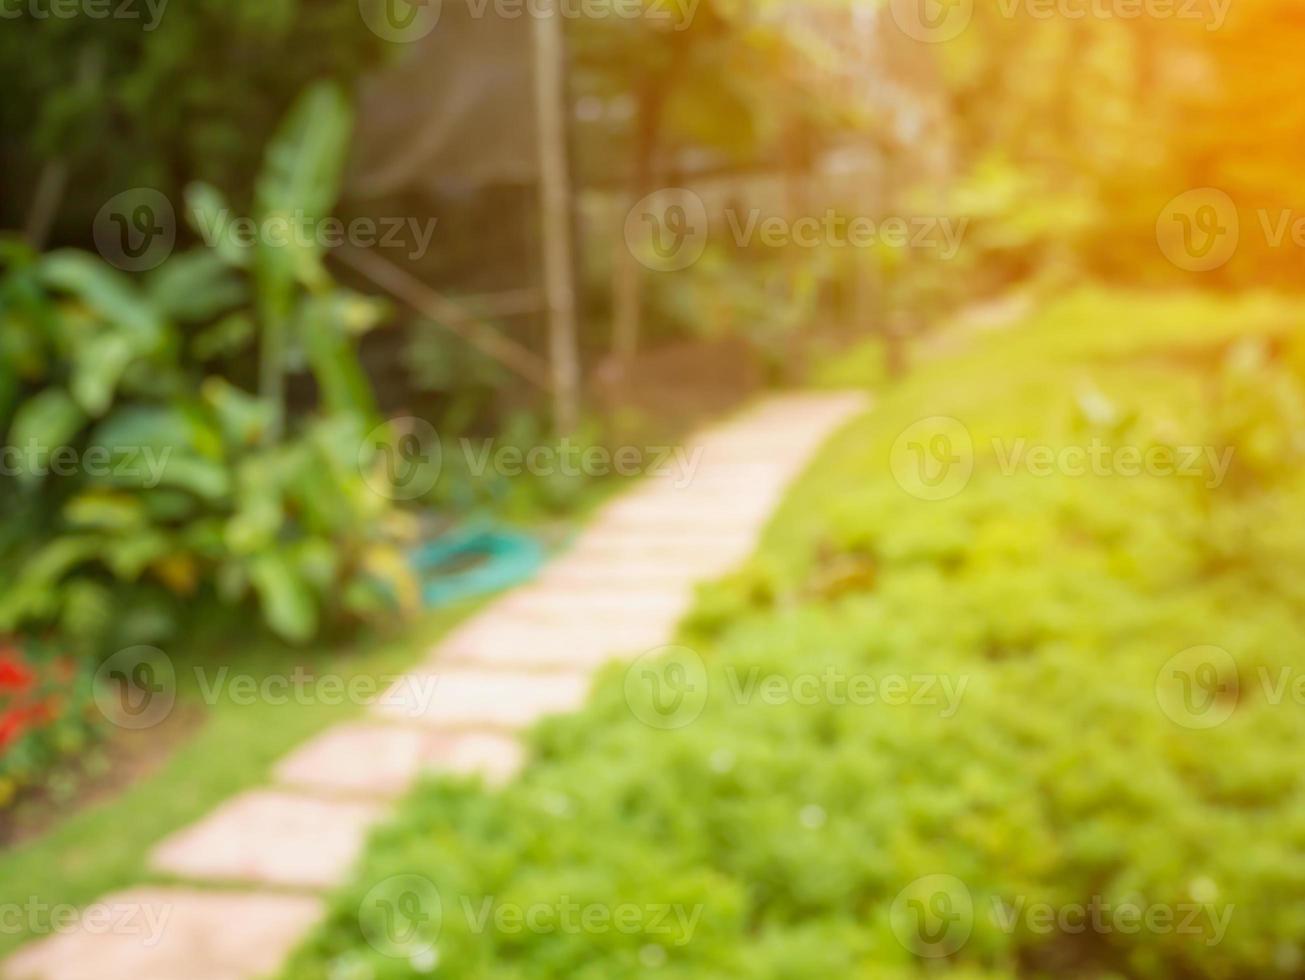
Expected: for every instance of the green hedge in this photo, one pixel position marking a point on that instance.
(1058, 772)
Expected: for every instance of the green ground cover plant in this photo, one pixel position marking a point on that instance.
(1052, 767)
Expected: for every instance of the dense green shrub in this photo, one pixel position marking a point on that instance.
(1047, 606)
(140, 479)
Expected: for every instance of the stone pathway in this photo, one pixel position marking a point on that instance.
(256, 867)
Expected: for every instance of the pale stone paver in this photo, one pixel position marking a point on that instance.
(171, 934)
(619, 590)
(358, 759)
(493, 755)
(271, 837)
(382, 760)
(466, 698)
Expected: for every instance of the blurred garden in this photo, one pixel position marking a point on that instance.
(323, 322)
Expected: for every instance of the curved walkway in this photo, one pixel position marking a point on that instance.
(251, 874)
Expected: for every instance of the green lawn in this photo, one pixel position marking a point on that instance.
(1024, 737)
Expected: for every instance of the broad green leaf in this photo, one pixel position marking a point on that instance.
(305, 159)
(242, 417)
(286, 597)
(106, 291)
(43, 424)
(34, 593)
(213, 220)
(195, 287)
(105, 510)
(229, 336)
(98, 365)
(323, 326)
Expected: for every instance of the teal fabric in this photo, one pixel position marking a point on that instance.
(509, 557)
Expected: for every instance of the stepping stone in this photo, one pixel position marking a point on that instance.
(572, 641)
(559, 603)
(544, 653)
(492, 755)
(271, 837)
(467, 698)
(382, 760)
(578, 573)
(579, 622)
(359, 758)
(171, 933)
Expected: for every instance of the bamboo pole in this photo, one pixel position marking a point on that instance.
(555, 210)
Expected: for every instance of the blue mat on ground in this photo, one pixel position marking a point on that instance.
(474, 561)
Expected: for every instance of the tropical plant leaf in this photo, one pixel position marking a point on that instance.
(44, 422)
(195, 287)
(323, 326)
(305, 160)
(286, 597)
(106, 291)
(213, 220)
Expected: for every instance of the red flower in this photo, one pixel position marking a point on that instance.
(11, 726)
(14, 674)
